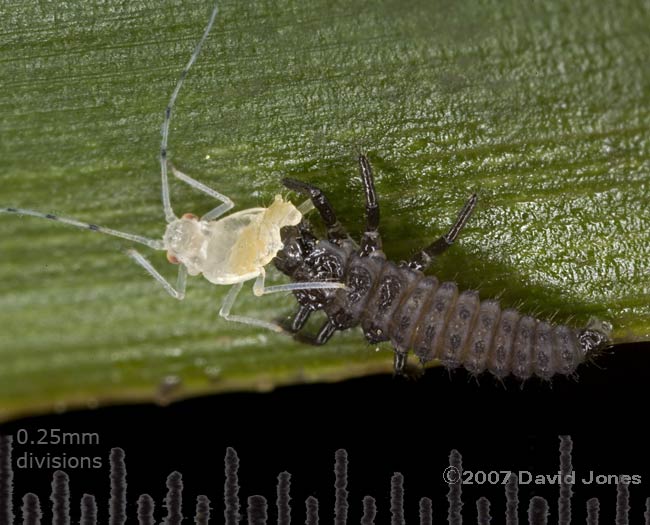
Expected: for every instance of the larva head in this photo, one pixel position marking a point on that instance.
(298, 243)
(306, 259)
(184, 241)
(594, 337)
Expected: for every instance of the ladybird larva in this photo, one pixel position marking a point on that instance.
(398, 303)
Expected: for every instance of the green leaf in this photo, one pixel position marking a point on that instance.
(542, 108)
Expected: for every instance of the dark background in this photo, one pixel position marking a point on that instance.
(387, 425)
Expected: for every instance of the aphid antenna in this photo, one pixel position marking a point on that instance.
(169, 213)
(167, 206)
(151, 243)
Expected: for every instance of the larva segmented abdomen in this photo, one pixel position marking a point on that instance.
(460, 330)
(436, 321)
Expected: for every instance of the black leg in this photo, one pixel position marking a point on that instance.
(371, 239)
(335, 231)
(399, 363)
(300, 319)
(401, 367)
(324, 335)
(422, 260)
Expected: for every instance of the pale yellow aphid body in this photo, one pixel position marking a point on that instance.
(234, 248)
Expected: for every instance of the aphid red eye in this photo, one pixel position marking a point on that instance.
(172, 258)
(190, 216)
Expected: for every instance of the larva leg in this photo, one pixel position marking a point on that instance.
(227, 306)
(299, 320)
(216, 212)
(371, 240)
(399, 363)
(423, 259)
(325, 333)
(335, 232)
(402, 368)
(176, 293)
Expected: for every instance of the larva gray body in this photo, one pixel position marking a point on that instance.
(398, 303)
(437, 321)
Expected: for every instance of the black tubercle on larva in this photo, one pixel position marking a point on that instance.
(398, 303)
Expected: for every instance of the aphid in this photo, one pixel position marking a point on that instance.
(229, 250)
(398, 303)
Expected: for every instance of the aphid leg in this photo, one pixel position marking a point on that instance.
(167, 207)
(176, 293)
(335, 231)
(216, 212)
(371, 240)
(227, 306)
(305, 207)
(422, 260)
(260, 289)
